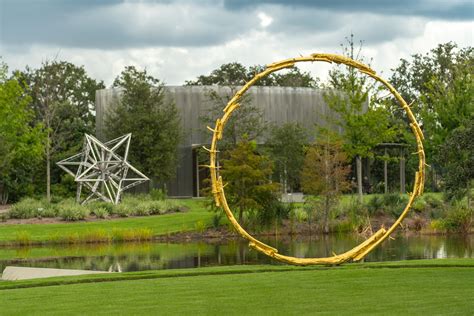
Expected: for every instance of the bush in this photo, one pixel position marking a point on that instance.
(200, 227)
(109, 207)
(394, 204)
(158, 195)
(27, 208)
(122, 210)
(300, 215)
(419, 205)
(375, 205)
(459, 219)
(100, 212)
(69, 210)
(433, 202)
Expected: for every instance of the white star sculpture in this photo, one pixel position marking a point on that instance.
(102, 169)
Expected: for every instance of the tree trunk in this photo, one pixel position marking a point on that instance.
(359, 177)
(48, 169)
(385, 173)
(402, 173)
(326, 216)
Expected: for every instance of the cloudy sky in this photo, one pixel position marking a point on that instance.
(177, 40)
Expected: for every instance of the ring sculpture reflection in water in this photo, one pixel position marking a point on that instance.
(358, 252)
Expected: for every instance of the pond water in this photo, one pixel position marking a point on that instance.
(152, 256)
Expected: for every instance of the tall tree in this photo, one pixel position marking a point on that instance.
(247, 121)
(153, 121)
(324, 174)
(363, 123)
(63, 100)
(20, 141)
(440, 87)
(457, 158)
(248, 176)
(287, 147)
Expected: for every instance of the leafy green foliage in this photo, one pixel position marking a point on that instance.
(20, 142)
(287, 149)
(440, 86)
(29, 208)
(324, 174)
(153, 121)
(69, 210)
(247, 174)
(63, 100)
(236, 74)
(459, 219)
(457, 158)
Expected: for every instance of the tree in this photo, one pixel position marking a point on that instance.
(153, 121)
(324, 173)
(20, 141)
(439, 86)
(457, 157)
(63, 100)
(362, 129)
(247, 121)
(248, 176)
(287, 147)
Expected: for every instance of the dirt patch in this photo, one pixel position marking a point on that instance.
(4, 208)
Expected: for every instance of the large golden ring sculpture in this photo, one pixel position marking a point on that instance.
(373, 241)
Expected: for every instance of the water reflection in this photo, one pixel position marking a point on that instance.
(152, 256)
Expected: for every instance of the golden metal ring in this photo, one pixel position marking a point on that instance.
(358, 252)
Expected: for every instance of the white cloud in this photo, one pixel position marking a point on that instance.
(265, 20)
(214, 35)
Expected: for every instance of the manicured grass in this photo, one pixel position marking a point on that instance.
(422, 287)
(159, 225)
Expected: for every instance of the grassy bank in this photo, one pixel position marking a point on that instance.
(413, 287)
(197, 217)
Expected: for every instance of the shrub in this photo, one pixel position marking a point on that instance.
(394, 204)
(69, 210)
(216, 220)
(200, 226)
(459, 219)
(433, 202)
(122, 210)
(172, 206)
(419, 205)
(375, 205)
(109, 207)
(343, 226)
(100, 212)
(26, 208)
(158, 195)
(300, 215)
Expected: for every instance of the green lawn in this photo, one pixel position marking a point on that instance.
(424, 287)
(159, 225)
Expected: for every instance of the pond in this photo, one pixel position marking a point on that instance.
(152, 255)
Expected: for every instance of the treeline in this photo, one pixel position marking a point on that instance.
(46, 111)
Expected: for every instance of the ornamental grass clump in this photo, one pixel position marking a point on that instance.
(69, 210)
(29, 208)
(100, 212)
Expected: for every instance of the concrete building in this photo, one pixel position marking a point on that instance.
(279, 105)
